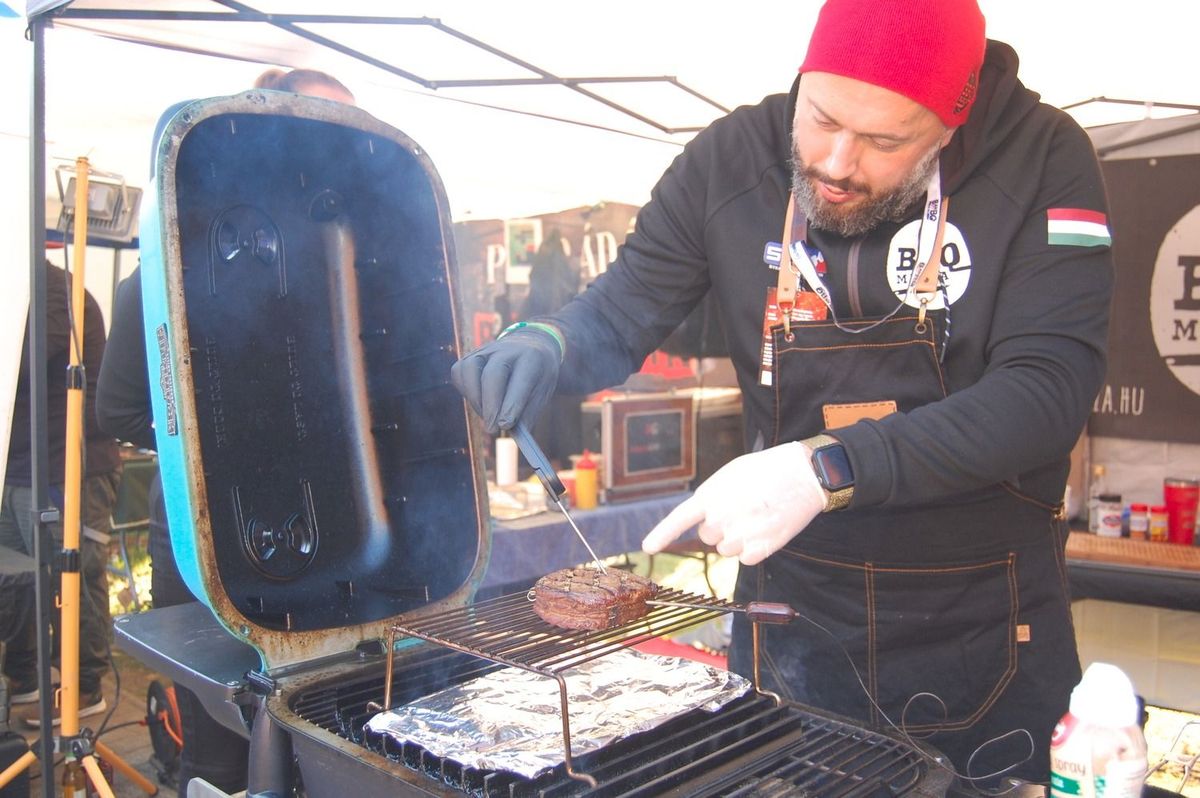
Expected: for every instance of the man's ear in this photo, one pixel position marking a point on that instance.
(949, 134)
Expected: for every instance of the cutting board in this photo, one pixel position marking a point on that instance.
(1123, 551)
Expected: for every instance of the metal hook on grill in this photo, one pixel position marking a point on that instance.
(389, 669)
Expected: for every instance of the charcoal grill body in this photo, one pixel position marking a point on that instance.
(324, 482)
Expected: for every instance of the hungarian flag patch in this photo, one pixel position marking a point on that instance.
(1077, 228)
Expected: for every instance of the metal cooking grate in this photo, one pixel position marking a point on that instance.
(752, 747)
(507, 630)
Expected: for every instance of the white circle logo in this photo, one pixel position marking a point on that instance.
(953, 274)
(1175, 300)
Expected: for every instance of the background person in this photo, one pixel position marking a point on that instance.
(101, 479)
(909, 448)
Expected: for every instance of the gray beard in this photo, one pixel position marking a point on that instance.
(890, 207)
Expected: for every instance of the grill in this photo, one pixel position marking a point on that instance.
(324, 485)
(753, 746)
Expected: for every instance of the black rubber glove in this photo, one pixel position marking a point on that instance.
(510, 379)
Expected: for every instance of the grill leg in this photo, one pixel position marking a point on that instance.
(269, 767)
(568, 760)
(757, 678)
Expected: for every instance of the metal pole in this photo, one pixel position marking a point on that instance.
(43, 513)
(73, 477)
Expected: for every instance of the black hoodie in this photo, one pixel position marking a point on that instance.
(1026, 353)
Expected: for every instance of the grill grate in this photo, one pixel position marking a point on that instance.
(506, 629)
(751, 748)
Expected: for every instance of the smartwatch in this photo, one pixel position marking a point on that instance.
(831, 464)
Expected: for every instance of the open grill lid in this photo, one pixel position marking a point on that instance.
(321, 475)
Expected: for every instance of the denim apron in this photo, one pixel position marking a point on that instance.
(950, 621)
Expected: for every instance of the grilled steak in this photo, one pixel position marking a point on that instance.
(585, 598)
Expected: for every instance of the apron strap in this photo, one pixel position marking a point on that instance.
(927, 282)
(789, 279)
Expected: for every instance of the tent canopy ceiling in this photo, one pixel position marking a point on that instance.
(424, 51)
(514, 101)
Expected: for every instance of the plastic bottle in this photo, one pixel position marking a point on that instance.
(1095, 487)
(586, 484)
(1098, 748)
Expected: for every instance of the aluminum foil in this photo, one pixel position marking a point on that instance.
(510, 719)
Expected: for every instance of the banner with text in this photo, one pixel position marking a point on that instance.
(1152, 389)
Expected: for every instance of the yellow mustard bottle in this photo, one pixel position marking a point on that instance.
(586, 483)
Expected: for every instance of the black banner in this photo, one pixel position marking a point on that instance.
(1152, 389)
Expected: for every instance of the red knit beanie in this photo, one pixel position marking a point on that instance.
(927, 50)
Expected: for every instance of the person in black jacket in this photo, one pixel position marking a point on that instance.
(101, 479)
(912, 261)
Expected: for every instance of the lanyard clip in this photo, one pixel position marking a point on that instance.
(921, 327)
(785, 310)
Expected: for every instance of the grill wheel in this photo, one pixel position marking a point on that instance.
(166, 735)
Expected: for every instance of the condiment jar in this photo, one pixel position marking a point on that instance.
(1109, 510)
(1139, 521)
(1158, 523)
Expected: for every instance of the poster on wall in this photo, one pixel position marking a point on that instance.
(498, 259)
(1152, 387)
(522, 237)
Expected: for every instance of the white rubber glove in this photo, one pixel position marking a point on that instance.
(750, 507)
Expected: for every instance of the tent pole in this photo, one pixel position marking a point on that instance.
(43, 511)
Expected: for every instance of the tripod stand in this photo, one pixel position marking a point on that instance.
(79, 747)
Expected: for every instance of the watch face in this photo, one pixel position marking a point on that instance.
(832, 465)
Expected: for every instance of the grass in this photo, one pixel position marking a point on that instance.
(120, 595)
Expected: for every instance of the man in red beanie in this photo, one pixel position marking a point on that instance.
(912, 262)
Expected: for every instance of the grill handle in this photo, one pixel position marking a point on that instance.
(756, 611)
(769, 612)
(550, 481)
(538, 460)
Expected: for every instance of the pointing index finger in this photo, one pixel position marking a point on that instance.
(686, 515)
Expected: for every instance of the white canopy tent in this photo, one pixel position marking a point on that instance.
(504, 149)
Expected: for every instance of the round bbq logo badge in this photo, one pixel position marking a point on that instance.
(954, 273)
(1175, 300)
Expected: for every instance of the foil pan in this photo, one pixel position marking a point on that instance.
(510, 719)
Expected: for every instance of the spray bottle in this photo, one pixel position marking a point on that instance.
(1098, 748)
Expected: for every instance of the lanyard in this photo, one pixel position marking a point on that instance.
(924, 282)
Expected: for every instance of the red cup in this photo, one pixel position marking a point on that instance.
(1181, 497)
